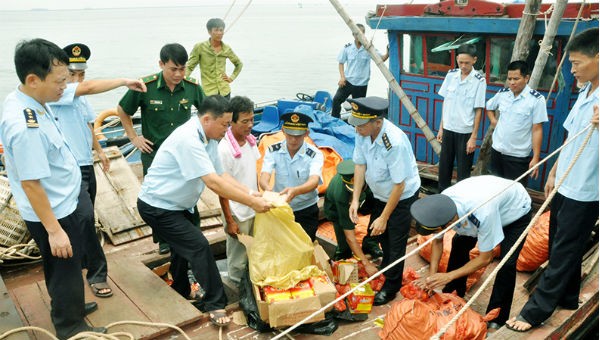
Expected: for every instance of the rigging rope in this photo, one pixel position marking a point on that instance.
(424, 244)
(229, 10)
(236, 18)
(523, 235)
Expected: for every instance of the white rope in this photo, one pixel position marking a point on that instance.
(377, 26)
(236, 19)
(229, 10)
(19, 252)
(414, 251)
(521, 238)
(562, 60)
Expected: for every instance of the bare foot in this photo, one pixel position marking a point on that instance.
(219, 317)
(518, 324)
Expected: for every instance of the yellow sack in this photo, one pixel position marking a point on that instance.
(281, 252)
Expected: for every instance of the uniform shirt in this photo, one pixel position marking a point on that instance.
(512, 135)
(73, 115)
(38, 153)
(243, 169)
(582, 182)
(461, 98)
(162, 110)
(486, 223)
(174, 180)
(390, 160)
(291, 172)
(337, 203)
(212, 67)
(357, 68)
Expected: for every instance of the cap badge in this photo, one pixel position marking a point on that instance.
(295, 118)
(76, 51)
(354, 106)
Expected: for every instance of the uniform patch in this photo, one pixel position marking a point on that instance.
(155, 102)
(504, 90)
(535, 93)
(31, 118)
(275, 147)
(454, 70)
(202, 139)
(474, 220)
(310, 152)
(191, 80)
(348, 44)
(386, 142)
(479, 76)
(150, 78)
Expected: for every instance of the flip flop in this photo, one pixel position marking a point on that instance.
(97, 287)
(218, 314)
(521, 319)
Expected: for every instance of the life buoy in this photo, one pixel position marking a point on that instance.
(99, 122)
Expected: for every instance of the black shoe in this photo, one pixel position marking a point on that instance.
(163, 248)
(383, 297)
(90, 307)
(98, 330)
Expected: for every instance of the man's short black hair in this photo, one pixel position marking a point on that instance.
(38, 56)
(585, 42)
(521, 66)
(215, 23)
(215, 105)
(174, 52)
(469, 49)
(240, 104)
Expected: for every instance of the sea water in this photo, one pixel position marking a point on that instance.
(286, 47)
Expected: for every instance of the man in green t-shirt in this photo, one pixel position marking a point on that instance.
(166, 105)
(337, 203)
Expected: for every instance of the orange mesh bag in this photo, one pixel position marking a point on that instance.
(360, 229)
(409, 319)
(535, 249)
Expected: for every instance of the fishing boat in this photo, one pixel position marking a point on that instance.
(422, 40)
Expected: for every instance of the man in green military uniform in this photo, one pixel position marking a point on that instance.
(337, 202)
(165, 106)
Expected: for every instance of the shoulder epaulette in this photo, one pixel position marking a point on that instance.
(348, 44)
(583, 88)
(275, 147)
(150, 78)
(190, 80)
(31, 118)
(504, 90)
(474, 220)
(386, 141)
(310, 152)
(535, 93)
(479, 76)
(454, 70)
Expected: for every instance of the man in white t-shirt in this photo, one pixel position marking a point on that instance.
(238, 154)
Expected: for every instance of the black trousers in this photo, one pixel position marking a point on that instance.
(188, 246)
(454, 145)
(509, 167)
(393, 240)
(63, 276)
(571, 223)
(93, 259)
(343, 93)
(308, 218)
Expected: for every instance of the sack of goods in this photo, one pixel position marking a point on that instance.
(421, 316)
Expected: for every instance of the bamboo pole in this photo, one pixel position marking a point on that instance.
(412, 110)
(520, 52)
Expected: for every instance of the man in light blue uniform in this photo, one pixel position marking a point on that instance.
(187, 161)
(519, 125)
(354, 77)
(45, 181)
(499, 222)
(384, 159)
(73, 115)
(463, 90)
(574, 209)
(298, 166)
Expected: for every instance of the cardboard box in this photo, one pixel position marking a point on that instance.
(345, 272)
(321, 260)
(324, 289)
(361, 300)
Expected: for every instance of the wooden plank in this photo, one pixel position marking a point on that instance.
(129, 235)
(118, 308)
(36, 311)
(151, 295)
(210, 223)
(9, 317)
(117, 192)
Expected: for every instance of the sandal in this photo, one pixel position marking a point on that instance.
(521, 319)
(99, 287)
(216, 317)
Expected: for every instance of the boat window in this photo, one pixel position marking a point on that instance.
(501, 52)
(439, 62)
(412, 53)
